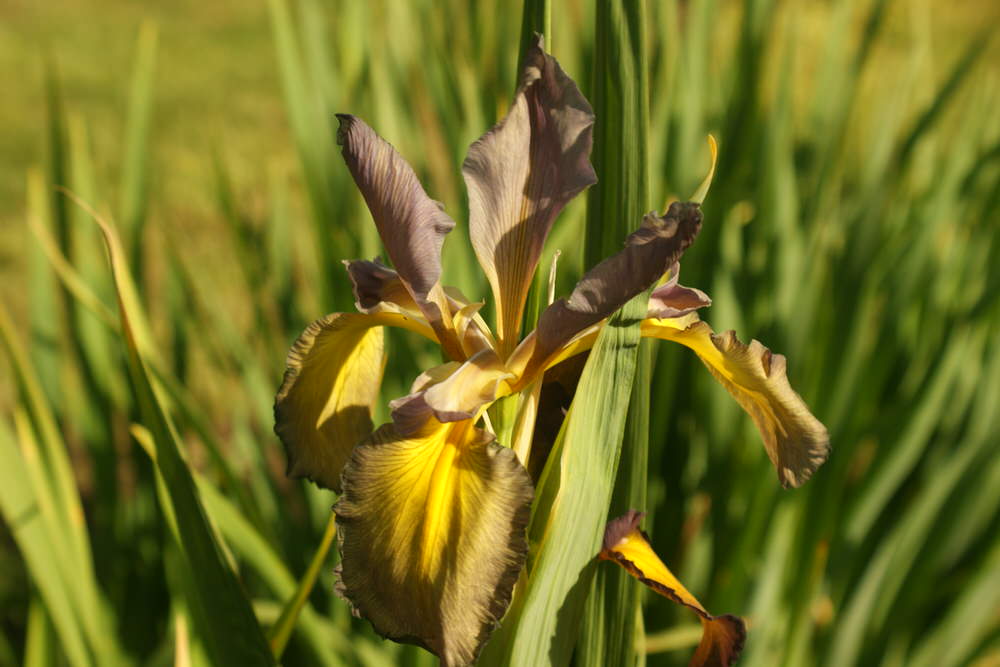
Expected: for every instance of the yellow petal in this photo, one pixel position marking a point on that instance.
(331, 382)
(470, 327)
(451, 392)
(796, 442)
(432, 535)
(625, 544)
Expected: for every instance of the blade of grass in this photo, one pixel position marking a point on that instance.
(41, 639)
(135, 163)
(45, 313)
(54, 477)
(173, 390)
(970, 619)
(959, 73)
(22, 514)
(230, 630)
(536, 17)
(614, 206)
(911, 444)
(572, 500)
(312, 140)
(325, 640)
(282, 630)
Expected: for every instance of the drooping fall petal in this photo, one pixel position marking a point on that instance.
(432, 536)
(324, 406)
(672, 299)
(411, 224)
(520, 174)
(649, 252)
(796, 442)
(625, 544)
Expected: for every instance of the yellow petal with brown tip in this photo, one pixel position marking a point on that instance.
(625, 544)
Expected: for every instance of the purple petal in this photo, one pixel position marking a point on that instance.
(648, 253)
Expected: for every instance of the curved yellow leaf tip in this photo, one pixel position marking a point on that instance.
(699, 195)
(627, 545)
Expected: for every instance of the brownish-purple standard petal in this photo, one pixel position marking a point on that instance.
(411, 224)
(649, 252)
(520, 174)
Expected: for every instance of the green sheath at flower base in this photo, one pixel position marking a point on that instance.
(432, 520)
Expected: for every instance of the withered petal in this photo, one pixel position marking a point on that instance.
(376, 285)
(672, 299)
(649, 252)
(625, 544)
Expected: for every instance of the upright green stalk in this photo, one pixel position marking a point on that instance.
(620, 96)
(281, 632)
(537, 18)
(614, 208)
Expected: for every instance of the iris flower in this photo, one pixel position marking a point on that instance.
(432, 513)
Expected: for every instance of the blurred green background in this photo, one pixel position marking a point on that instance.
(853, 226)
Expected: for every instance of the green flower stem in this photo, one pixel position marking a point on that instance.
(281, 631)
(614, 208)
(537, 17)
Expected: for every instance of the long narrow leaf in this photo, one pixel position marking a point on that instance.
(615, 205)
(232, 634)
